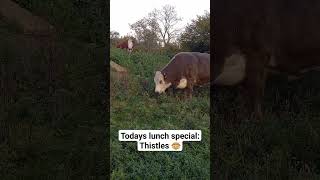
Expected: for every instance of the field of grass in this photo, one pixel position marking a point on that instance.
(133, 106)
(53, 114)
(286, 145)
(52, 121)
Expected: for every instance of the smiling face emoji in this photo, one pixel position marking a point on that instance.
(175, 145)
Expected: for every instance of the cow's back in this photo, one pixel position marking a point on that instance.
(200, 61)
(203, 66)
(189, 65)
(286, 30)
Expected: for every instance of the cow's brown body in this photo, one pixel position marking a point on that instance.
(193, 66)
(128, 45)
(272, 35)
(123, 45)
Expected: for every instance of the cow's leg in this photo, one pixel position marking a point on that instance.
(188, 92)
(189, 89)
(171, 91)
(255, 82)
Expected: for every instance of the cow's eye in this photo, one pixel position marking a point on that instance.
(160, 82)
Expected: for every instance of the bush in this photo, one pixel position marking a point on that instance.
(170, 50)
(196, 36)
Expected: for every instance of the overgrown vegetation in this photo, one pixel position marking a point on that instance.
(196, 36)
(134, 106)
(52, 120)
(286, 145)
(51, 124)
(80, 19)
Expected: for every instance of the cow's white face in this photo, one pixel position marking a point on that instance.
(130, 44)
(160, 83)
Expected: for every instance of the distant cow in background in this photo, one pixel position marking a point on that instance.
(126, 45)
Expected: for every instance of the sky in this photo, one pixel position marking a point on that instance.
(125, 12)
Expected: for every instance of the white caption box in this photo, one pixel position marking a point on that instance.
(159, 140)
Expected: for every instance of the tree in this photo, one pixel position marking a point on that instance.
(164, 22)
(159, 27)
(114, 37)
(145, 33)
(196, 36)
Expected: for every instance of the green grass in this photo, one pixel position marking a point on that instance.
(52, 119)
(51, 116)
(286, 145)
(135, 107)
(85, 21)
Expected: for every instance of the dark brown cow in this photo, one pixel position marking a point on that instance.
(278, 35)
(185, 70)
(126, 45)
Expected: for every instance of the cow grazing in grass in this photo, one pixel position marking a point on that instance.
(269, 36)
(184, 71)
(126, 45)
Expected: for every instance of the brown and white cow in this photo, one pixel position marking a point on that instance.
(126, 45)
(184, 71)
(271, 36)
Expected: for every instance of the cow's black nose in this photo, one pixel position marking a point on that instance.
(156, 94)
